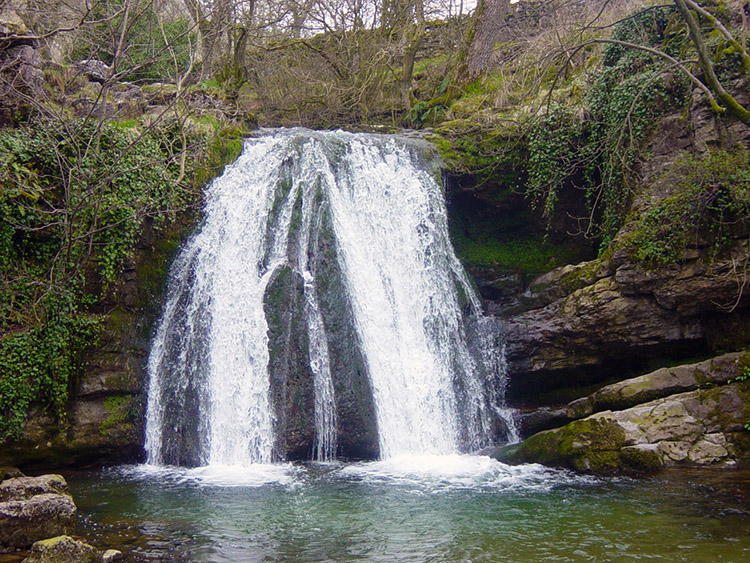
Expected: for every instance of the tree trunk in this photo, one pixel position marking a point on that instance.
(488, 21)
(416, 35)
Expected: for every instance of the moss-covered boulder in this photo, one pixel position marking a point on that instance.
(63, 549)
(700, 427)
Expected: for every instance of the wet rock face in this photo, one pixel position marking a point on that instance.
(291, 379)
(355, 408)
(34, 508)
(690, 415)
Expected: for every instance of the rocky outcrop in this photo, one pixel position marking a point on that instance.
(661, 383)
(34, 508)
(612, 317)
(689, 415)
(39, 512)
(105, 413)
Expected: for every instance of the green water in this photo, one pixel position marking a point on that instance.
(415, 512)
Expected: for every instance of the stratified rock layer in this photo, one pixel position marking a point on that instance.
(611, 317)
(702, 426)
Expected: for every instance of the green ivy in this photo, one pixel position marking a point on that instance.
(598, 153)
(554, 145)
(74, 197)
(711, 206)
(39, 365)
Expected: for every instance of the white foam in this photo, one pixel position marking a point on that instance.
(253, 475)
(436, 473)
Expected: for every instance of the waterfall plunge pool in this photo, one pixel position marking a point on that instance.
(412, 508)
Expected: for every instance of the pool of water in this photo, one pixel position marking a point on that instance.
(421, 509)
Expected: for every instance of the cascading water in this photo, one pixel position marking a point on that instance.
(344, 235)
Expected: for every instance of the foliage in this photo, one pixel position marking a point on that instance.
(744, 376)
(554, 145)
(650, 27)
(710, 206)
(598, 153)
(73, 199)
(39, 365)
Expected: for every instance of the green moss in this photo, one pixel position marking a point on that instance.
(222, 149)
(640, 459)
(118, 411)
(490, 153)
(581, 276)
(710, 205)
(592, 445)
(526, 256)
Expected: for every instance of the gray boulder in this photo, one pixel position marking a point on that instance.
(700, 427)
(660, 383)
(22, 488)
(94, 70)
(23, 522)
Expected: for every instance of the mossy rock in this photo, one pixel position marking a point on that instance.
(63, 549)
(592, 445)
(119, 411)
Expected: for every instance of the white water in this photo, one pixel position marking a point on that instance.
(401, 276)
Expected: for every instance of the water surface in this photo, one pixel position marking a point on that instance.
(417, 508)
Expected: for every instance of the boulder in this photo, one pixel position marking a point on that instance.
(94, 70)
(23, 488)
(63, 549)
(23, 522)
(111, 555)
(660, 383)
(11, 23)
(700, 427)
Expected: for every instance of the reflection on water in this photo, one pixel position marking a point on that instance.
(420, 508)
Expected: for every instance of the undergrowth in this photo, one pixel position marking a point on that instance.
(73, 200)
(710, 208)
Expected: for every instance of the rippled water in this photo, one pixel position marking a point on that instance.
(418, 508)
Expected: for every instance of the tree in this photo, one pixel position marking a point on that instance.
(692, 13)
(488, 21)
(82, 173)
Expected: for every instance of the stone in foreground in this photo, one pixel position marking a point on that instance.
(63, 549)
(34, 508)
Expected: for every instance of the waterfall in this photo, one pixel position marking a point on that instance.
(320, 251)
